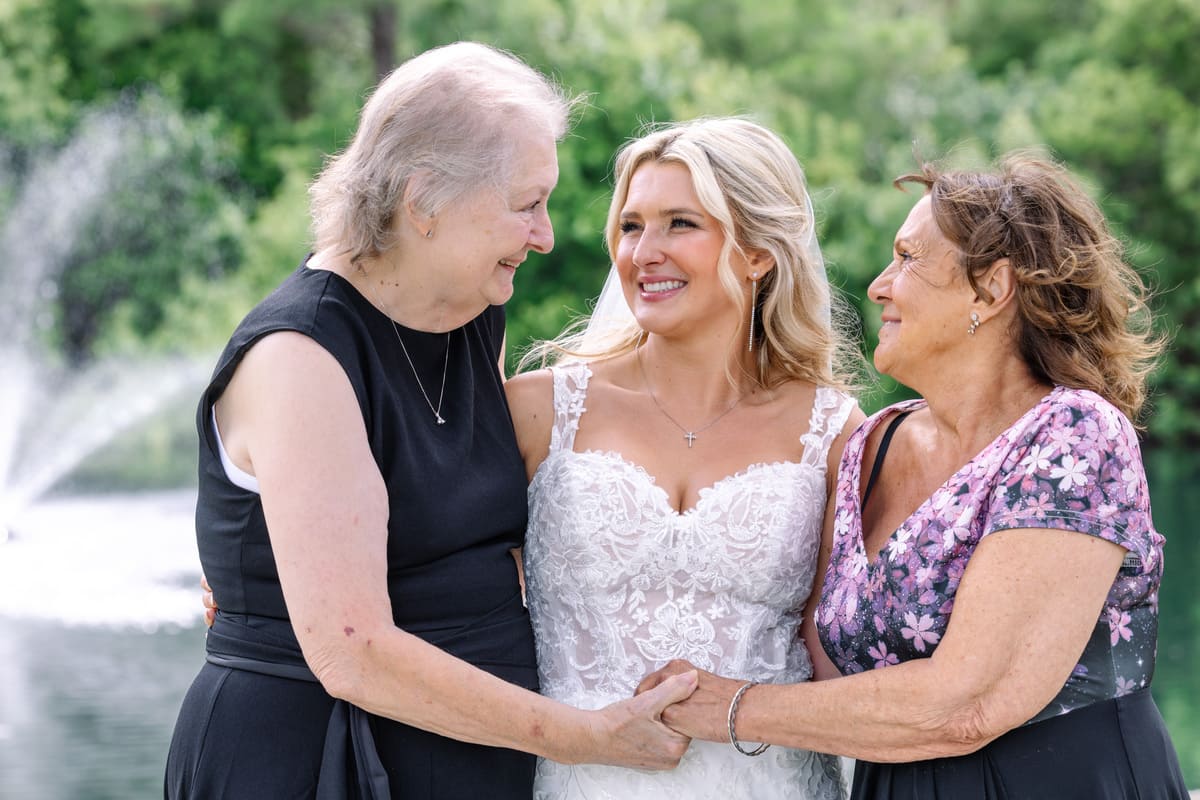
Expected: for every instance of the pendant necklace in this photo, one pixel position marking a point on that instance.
(690, 435)
(437, 412)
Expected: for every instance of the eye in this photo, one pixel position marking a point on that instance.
(533, 206)
(629, 226)
(682, 222)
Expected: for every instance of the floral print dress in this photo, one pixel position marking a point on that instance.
(1071, 462)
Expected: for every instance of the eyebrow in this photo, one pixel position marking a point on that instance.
(667, 212)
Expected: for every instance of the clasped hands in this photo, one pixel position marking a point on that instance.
(701, 715)
(704, 713)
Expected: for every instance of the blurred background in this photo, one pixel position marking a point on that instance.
(154, 157)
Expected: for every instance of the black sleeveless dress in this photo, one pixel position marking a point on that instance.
(255, 723)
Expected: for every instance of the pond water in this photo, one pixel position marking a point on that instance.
(100, 635)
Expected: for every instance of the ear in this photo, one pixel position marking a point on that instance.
(413, 203)
(759, 261)
(1000, 280)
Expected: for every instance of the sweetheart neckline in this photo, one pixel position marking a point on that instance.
(638, 469)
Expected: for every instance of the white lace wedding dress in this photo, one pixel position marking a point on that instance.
(619, 582)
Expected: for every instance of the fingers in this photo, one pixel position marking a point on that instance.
(672, 690)
(649, 682)
(209, 602)
(673, 667)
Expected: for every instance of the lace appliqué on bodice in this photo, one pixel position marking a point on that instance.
(619, 582)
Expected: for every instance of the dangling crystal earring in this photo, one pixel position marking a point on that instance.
(974, 324)
(753, 308)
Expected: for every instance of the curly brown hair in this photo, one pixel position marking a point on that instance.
(1082, 315)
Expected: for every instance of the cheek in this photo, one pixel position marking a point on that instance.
(623, 259)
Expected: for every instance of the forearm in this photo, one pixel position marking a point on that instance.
(901, 713)
(397, 675)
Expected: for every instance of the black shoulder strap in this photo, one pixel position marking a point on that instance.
(884, 444)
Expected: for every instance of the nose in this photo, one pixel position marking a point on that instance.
(541, 233)
(647, 250)
(879, 290)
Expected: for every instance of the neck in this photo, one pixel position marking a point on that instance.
(404, 291)
(976, 403)
(687, 377)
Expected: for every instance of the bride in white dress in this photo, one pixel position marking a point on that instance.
(680, 456)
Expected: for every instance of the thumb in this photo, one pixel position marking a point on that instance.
(672, 690)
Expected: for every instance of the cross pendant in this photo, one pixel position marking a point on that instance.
(691, 437)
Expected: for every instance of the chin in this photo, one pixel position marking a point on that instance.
(499, 295)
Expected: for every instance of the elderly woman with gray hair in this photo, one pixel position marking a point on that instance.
(361, 487)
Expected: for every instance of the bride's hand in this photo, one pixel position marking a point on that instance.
(704, 714)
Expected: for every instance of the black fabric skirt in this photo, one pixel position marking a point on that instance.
(1112, 750)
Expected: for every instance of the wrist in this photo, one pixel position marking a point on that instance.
(578, 737)
(731, 720)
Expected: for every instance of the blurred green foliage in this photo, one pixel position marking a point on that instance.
(236, 102)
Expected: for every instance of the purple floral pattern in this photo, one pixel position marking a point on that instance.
(1070, 463)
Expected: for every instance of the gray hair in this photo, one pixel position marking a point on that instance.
(448, 112)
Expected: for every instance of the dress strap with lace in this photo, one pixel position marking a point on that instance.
(570, 390)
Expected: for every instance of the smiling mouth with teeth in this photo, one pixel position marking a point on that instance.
(663, 286)
(507, 263)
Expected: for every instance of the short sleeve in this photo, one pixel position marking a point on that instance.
(1078, 467)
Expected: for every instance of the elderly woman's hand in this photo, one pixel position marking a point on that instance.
(705, 713)
(210, 603)
(631, 733)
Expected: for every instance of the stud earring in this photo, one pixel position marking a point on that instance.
(974, 324)
(753, 308)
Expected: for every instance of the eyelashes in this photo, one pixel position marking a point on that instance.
(675, 223)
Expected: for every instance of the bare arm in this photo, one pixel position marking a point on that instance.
(531, 402)
(1024, 611)
(823, 668)
(292, 415)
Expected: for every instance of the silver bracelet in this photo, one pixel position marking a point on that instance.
(733, 740)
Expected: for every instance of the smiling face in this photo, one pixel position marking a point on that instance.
(483, 237)
(926, 300)
(667, 255)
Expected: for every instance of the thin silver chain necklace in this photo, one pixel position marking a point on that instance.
(437, 412)
(690, 435)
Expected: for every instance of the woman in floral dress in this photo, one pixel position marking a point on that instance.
(989, 649)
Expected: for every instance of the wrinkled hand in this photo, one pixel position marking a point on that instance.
(210, 603)
(631, 733)
(704, 714)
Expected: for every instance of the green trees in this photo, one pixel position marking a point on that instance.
(255, 94)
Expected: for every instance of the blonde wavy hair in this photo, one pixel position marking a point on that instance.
(752, 185)
(1082, 315)
(449, 112)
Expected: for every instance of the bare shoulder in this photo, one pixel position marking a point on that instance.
(530, 393)
(531, 403)
(853, 420)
